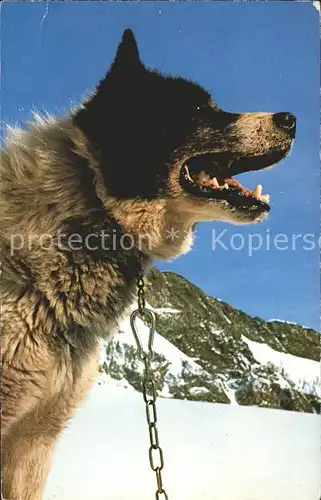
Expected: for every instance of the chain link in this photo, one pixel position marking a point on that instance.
(156, 458)
(141, 294)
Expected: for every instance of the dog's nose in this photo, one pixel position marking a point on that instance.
(284, 121)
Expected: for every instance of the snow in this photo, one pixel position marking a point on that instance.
(166, 310)
(176, 358)
(211, 451)
(278, 320)
(304, 373)
(161, 345)
(300, 373)
(227, 319)
(197, 391)
(231, 395)
(282, 321)
(216, 331)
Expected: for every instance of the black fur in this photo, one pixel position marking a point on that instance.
(141, 122)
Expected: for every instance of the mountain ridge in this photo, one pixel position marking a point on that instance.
(206, 350)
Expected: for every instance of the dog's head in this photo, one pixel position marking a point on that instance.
(162, 142)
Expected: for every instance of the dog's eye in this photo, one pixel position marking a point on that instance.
(198, 108)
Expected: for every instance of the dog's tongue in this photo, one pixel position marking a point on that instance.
(233, 183)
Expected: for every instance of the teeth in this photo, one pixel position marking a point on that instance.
(215, 182)
(204, 180)
(258, 194)
(265, 198)
(187, 173)
(257, 191)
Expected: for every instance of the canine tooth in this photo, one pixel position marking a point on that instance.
(225, 186)
(215, 182)
(257, 191)
(265, 198)
(187, 173)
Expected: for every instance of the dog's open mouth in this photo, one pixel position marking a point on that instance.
(210, 176)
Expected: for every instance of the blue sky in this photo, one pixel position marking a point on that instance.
(260, 56)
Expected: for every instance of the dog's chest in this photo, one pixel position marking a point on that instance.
(92, 295)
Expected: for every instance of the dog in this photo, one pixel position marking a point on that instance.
(87, 203)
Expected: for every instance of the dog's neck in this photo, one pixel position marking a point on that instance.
(67, 195)
(159, 231)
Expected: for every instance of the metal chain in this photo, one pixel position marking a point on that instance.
(141, 294)
(155, 452)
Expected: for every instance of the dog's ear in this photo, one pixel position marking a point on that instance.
(125, 70)
(127, 56)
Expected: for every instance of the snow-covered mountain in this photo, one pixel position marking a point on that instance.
(206, 350)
